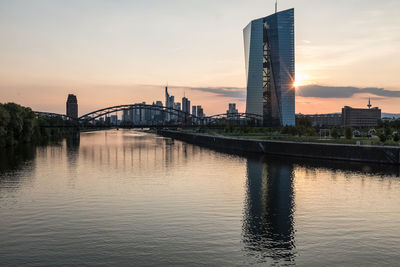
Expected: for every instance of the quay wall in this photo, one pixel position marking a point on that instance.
(373, 154)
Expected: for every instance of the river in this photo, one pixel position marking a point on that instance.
(118, 198)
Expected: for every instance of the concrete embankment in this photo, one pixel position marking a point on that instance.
(375, 154)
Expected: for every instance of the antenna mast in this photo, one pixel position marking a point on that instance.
(276, 6)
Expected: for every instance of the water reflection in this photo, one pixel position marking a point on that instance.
(268, 230)
(346, 166)
(72, 155)
(155, 201)
(127, 151)
(13, 158)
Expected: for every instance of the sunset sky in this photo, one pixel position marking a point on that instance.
(126, 51)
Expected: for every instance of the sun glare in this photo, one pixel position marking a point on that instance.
(300, 79)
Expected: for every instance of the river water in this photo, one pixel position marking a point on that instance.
(118, 198)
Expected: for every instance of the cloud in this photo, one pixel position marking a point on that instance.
(319, 91)
(342, 91)
(229, 92)
(304, 91)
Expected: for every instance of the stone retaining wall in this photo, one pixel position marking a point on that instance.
(376, 154)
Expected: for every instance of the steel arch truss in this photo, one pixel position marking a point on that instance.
(53, 115)
(165, 110)
(178, 115)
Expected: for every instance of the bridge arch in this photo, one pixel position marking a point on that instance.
(182, 117)
(109, 110)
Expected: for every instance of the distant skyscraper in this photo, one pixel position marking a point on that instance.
(125, 115)
(158, 114)
(169, 103)
(200, 112)
(72, 106)
(166, 96)
(185, 105)
(194, 110)
(231, 110)
(270, 68)
(131, 114)
(114, 119)
(169, 100)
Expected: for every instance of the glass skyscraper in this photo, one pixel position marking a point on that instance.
(269, 55)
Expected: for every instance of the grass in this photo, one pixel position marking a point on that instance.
(314, 139)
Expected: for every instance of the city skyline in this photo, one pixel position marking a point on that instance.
(115, 52)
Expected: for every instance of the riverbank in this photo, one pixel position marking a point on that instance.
(373, 154)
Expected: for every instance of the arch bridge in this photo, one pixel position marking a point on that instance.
(139, 109)
(162, 116)
(52, 115)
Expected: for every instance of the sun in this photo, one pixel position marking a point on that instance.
(301, 79)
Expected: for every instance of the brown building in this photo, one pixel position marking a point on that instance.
(360, 117)
(72, 106)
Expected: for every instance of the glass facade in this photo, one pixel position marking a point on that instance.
(270, 70)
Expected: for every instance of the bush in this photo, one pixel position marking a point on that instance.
(285, 130)
(396, 137)
(382, 137)
(303, 121)
(388, 132)
(335, 133)
(292, 130)
(228, 128)
(311, 132)
(348, 132)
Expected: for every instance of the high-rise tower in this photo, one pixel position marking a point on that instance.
(270, 70)
(72, 106)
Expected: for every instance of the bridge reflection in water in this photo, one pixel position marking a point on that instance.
(268, 225)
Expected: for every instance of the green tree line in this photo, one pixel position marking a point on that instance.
(20, 125)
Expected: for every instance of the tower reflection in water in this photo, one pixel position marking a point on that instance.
(268, 230)
(72, 148)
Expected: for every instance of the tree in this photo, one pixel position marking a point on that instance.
(348, 132)
(285, 130)
(19, 124)
(388, 132)
(335, 133)
(382, 137)
(396, 137)
(4, 120)
(304, 121)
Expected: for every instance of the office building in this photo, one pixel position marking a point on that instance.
(194, 110)
(270, 68)
(125, 115)
(360, 117)
(232, 111)
(131, 114)
(157, 114)
(169, 100)
(114, 119)
(200, 112)
(169, 103)
(72, 106)
(185, 105)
